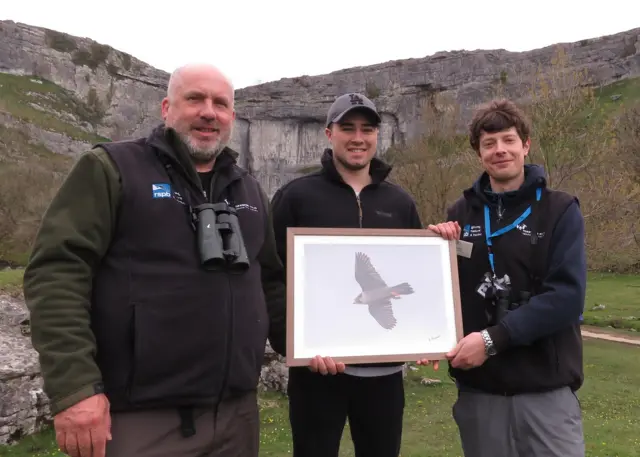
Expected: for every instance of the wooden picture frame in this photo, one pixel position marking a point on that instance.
(325, 315)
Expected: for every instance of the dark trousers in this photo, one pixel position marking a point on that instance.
(320, 405)
(157, 433)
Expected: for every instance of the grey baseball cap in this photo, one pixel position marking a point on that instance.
(349, 102)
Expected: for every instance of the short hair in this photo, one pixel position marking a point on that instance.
(496, 116)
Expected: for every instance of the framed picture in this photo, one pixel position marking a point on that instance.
(371, 295)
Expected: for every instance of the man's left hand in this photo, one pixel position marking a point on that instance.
(468, 353)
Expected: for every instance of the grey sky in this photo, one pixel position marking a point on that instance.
(256, 41)
(330, 315)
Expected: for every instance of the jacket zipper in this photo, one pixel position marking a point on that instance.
(359, 209)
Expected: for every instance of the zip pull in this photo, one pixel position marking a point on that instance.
(359, 210)
(500, 209)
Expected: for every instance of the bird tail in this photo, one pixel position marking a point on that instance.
(402, 289)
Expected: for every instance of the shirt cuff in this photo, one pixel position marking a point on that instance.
(500, 337)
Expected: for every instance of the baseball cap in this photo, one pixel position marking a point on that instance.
(349, 102)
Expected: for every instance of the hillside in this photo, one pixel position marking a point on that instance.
(59, 94)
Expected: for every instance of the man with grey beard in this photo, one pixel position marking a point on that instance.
(153, 286)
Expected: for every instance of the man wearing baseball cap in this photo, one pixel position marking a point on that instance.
(350, 190)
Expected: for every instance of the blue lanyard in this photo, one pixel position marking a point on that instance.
(502, 231)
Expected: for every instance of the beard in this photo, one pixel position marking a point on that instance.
(351, 166)
(203, 154)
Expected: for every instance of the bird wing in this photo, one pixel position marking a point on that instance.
(366, 274)
(382, 312)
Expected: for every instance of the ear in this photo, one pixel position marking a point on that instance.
(165, 108)
(527, 147)
(328, 133)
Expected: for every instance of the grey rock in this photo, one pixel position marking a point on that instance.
(279, 130)
(23, 405)
(129, 90)
(54, 141)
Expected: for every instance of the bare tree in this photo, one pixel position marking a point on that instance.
(437, 166)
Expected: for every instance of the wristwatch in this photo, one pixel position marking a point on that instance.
(489, 348)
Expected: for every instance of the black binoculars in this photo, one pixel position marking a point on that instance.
(220, 241)
(504, 305)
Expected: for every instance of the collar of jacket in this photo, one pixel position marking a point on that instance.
(480, 192)
(378, 169)
(167, 142)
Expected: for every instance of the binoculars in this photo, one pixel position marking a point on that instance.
(220, 241)
(503, 305)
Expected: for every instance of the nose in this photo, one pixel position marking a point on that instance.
(501, 147)
(208, 111)
(357, 137)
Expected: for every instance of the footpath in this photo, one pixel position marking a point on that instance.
(602, 334)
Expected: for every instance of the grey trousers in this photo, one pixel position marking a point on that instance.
(235, 432)
(530, 425)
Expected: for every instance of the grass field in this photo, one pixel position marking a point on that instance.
(609, 398)
(620, 295)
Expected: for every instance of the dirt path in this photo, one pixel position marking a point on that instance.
(601, 334)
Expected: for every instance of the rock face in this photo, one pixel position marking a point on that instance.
(280, 125)
(23, 404)
(124, 91)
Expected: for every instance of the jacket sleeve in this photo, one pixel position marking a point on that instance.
(561, 300)
(273, 285)
(74, 234)
(283, 217)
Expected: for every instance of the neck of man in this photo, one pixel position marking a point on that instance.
(204, 167)
(357, 179)
(507, 185)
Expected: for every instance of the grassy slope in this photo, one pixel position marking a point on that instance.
(60, 111)
(609, 399)
(48, 107)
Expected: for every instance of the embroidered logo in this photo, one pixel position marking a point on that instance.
(161, 190)
(356, 99)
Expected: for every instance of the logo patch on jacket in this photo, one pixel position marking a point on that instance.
(161, 190)
(469, 231)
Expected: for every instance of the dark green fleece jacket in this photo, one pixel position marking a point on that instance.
(74, 235)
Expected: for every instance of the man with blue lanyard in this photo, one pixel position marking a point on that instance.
(522, 272)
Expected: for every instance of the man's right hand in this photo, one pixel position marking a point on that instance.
(82, 430)
(325, 365)
(447, 230)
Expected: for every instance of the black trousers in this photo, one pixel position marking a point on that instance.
(320, 405)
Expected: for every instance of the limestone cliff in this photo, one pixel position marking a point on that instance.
(279, 128)
(280, 124)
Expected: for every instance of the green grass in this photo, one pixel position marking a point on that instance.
(620, 294)
(18, 93)
(11, 281)
(609, 399)
(628, 89)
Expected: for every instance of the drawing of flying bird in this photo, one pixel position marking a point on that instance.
(376, 293)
